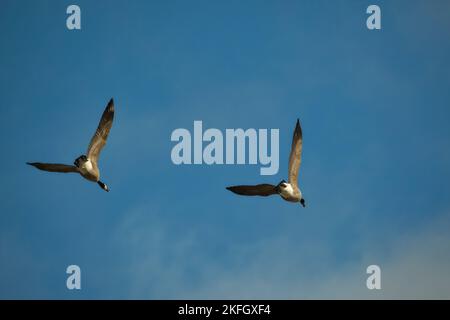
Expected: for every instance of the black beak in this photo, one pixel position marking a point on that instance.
(302, 202)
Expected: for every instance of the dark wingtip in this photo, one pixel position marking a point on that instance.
(298, 128)
(110, 106)
(29, 163)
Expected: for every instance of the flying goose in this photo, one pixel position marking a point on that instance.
(86, 165)
(289, 191)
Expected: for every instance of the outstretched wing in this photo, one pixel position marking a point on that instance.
(257, 190)
(98, 141)
(53, 167)
(295, 158)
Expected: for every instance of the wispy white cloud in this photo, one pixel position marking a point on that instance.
(163, 263)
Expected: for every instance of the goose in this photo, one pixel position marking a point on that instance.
(289, 191)
(87, 165)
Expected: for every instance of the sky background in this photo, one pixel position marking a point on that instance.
(374, 107)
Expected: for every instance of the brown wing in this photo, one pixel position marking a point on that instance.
(258, 190)
(98, 141)
(295, 158)
(53, 167)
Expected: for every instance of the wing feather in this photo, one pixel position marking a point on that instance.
(295, 158)
(98, 141)
(257, 190)
(53, 167)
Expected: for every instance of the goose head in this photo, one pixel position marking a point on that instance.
(302, 202)
(103, 186)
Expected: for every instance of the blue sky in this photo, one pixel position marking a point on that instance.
(375, 171)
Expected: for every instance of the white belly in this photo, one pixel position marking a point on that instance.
(288, 193)
(86, 167)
